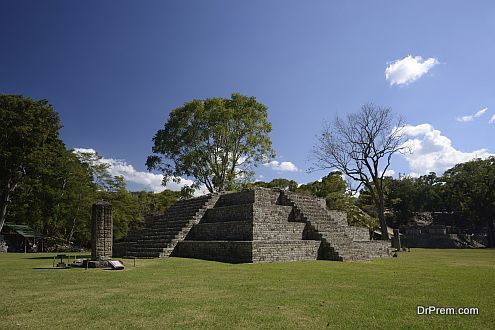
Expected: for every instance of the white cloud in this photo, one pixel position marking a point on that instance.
(464, 119)
(467, 118)
(85, 150)
(389, 173)
(148, 180)
(281, 166)
(433, 152)
(481, 112)
(408, 69)
(492, 120)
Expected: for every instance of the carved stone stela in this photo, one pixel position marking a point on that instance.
(102, 231)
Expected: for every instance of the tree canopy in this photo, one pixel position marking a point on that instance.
(51, 188)
(281, 183)
(216, 141)
(471, 188)
(29, 129)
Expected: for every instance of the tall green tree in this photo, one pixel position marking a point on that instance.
(57, 199)
(29, 128)
(215, 141)
(471, 187)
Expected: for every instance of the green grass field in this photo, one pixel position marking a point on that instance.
(187, 293)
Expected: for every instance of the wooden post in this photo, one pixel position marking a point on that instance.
(397, 239)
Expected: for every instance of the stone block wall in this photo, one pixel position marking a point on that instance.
(449, 241)
(240, 212)
(218, 231)
(278, 232)
(266, 251)
(225, 251)
(266, 212)
(266, 196)
(236, 198)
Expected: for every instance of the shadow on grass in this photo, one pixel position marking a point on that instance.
(68, 255)
(52, 268)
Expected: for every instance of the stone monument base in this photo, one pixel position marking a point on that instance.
(96, 263)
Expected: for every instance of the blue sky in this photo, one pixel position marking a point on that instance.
(115, 69)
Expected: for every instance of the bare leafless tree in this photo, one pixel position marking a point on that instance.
(361, 146)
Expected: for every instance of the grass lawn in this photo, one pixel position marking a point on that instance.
(188, 293)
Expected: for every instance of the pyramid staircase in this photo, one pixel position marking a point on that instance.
(339, 240)
(161, 233)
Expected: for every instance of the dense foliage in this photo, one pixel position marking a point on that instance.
(216, 141)
(51, 188)
(29, 136)
(471, 188)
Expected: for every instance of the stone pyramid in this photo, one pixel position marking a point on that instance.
(255, 225)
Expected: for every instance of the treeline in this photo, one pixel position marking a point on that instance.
(51, 188)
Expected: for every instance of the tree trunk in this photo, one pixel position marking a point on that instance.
(381, 217)
(75, 218)
(4, 202)
(490, 233)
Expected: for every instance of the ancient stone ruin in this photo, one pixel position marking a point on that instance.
(102, 231)
(256, 225)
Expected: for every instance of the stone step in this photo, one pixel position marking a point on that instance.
(170, 225)
(239, 212)
(180, 212)
(142, 255)
(156, 232)
(155, 243)
(146, 250)
(153, 237)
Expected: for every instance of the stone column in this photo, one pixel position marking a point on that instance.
(102, 231)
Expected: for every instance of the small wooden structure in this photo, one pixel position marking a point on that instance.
(22, 238)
